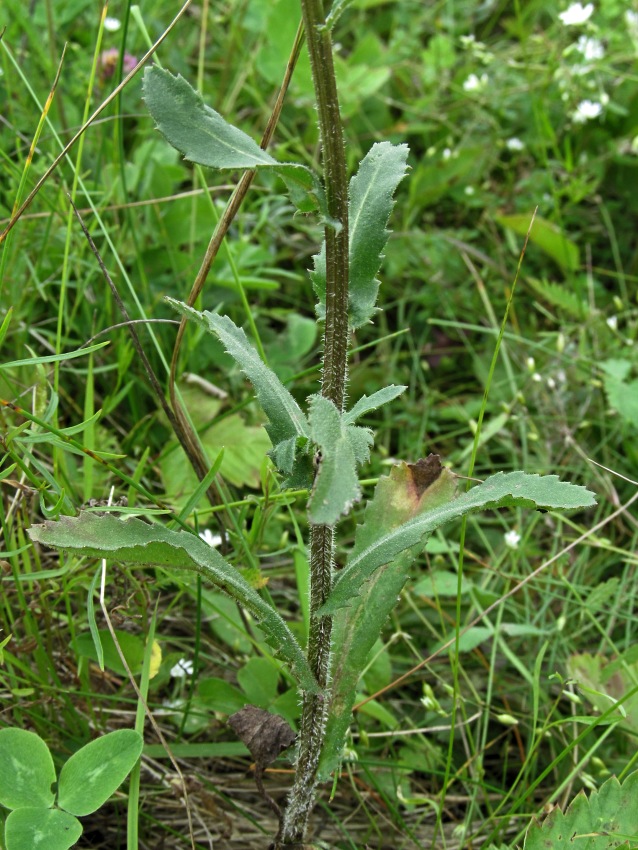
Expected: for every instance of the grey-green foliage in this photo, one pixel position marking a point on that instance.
(287, 423)
(606, 819)
(371, 199)
(133, 541)
(205, 138)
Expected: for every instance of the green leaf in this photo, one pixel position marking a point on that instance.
(407, 491)
(606, 819)
(369, 208)
(26, 770)
(204, 137)
(94, 772)
(368, 403)
(287, 421)
(605, 682)
(336, 485)
(512, 489)
(259, 680)
(133, 541)
(131, 645)
(547, 236)
(622, 395)
(219, 695)
(41, 829)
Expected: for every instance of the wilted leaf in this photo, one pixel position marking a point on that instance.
(266, 735)
(512, 489)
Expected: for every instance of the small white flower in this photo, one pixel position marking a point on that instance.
(210, 538)
(446, 153)
(469, 190)
(537, 377)
(551, 383)
(514, 144)
(591, 48)
(112, 24)
(612, 323)
(576, 14)
(631, 19)
(474, 83)
(512, 539)
(183, 668)
(586, 111)
(531, 363)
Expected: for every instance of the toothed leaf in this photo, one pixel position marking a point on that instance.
(133, 541)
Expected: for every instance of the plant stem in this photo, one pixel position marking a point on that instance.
(313, 718)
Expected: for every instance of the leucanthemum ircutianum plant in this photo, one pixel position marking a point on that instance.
(318, 447)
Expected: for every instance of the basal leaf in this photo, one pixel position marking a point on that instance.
(26, 770)
(287, 420)
(512, 489)
(136, 542)
(204, 137)
(608, 818)
(368, 403)
(369, 208)
(95, 771)
(41, 829)
(407, 491)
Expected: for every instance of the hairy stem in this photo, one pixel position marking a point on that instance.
(313, 720)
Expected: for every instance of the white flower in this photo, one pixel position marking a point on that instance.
(210, 538)
(512, 539)
(612, 323)
(586, 110)
(631, 19)
(183, 668)
(474, 83)
(469, 190)
(537, 377)
(446, 153)
(514, 144)
(591, 48)
(531, 363)
(112, 24)
(576, 14)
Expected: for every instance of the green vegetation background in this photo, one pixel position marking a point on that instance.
(506, 107)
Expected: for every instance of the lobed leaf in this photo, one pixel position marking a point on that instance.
(205, 138)
(287, 421)
(608, 818)
(512, 489)
(136, 542)
(371, 201)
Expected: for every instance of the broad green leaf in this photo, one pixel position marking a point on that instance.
(26, 770)
(512, 489)
(336, 485)
(259, 680)
(287, 421)
(622, 394)
(219, 695)
(369, 208)
(368, 403)
(608, 818)
(41, 829)
(95, 771)
(136, 542)
(407, 491)
(547, 236)
(131, 645)
(205, 138)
